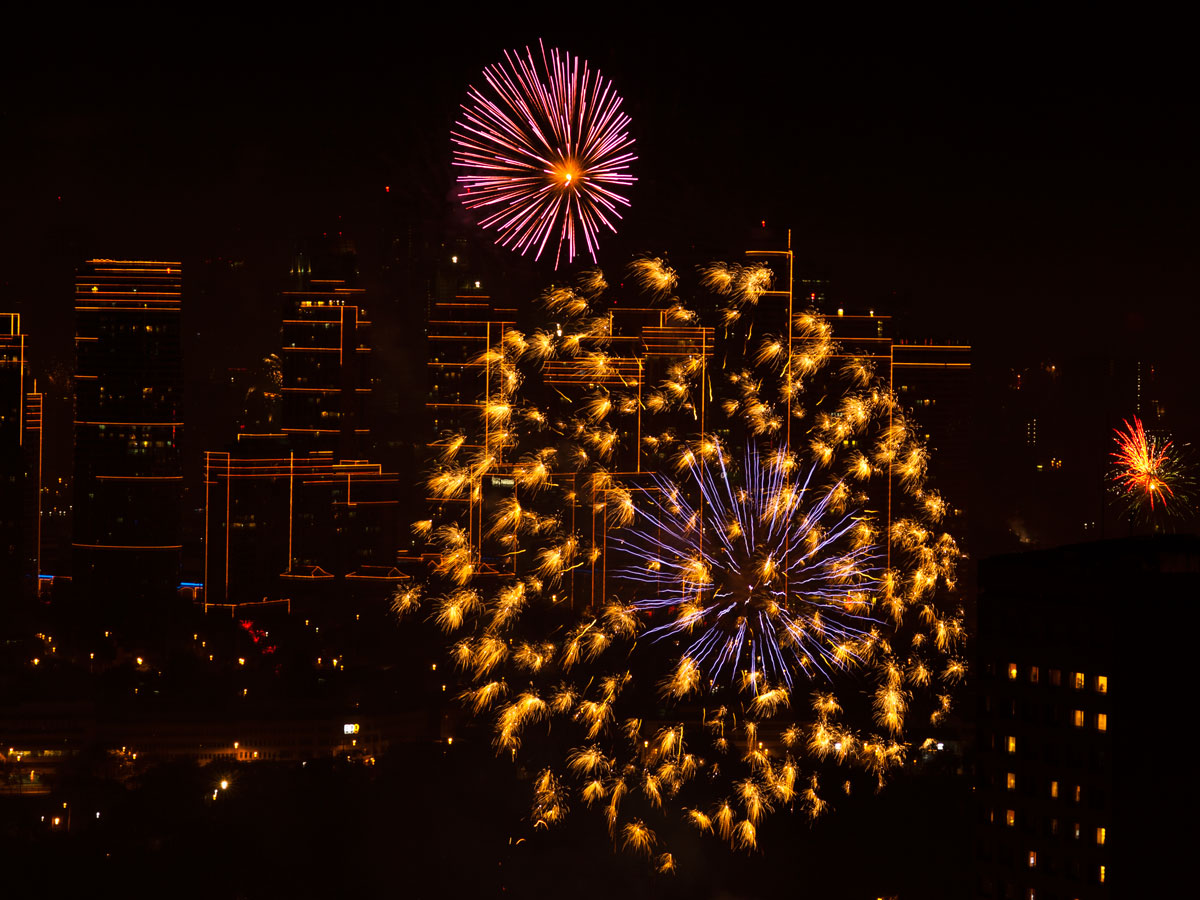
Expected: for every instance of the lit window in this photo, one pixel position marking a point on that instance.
(1078, 796)
(1033, 674)
(1031, 894)
(1101, 834)
(1101, 684)
(1033, 859)
(1102, 874)
(1076, 831)
(1080, 681)
(1102, 721)
(1079, 718)
(1012, 781)
(1010, 817)
(1012, 671)
(1056, 677)
(1012, 744)
(1054, 789)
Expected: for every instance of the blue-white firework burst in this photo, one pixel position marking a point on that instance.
(758, 572)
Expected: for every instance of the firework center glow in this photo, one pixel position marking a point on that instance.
(778, 588)
(544, 123)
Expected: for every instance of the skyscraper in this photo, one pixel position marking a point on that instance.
(325, 364)
(464, 319)
(641, 343)
(294, 510)
(20, 465)
(128, 384)
(304, 519)
(1079, 696)
(931, 379)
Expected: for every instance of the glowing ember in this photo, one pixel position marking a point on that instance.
(664, 630)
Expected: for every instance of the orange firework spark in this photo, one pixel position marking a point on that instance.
(1145, 472)
(687, 583)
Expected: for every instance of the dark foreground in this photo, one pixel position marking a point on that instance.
(435, 821)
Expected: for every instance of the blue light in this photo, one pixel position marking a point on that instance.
(791, 620)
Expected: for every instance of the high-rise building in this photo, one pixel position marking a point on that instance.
(20, 465)
(325, 364)
(640, 344)
(1082, 699)
(463, 320)
(293, 509)
(271, 514)
(930, 378)
(128, 384)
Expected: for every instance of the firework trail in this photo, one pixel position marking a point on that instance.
(544, 149)
(668, 631)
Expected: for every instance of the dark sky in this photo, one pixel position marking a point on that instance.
(1016, 187)
(1028, 190)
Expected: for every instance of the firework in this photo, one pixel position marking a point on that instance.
(772, 587)
(544, 148)
(691, 584)
(1148, 476)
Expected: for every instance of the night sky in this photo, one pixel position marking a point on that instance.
(1026, 187)
(995, 181)
(1031, 193)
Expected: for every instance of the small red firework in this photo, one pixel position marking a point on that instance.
(1146, 473)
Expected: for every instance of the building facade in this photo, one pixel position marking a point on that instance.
(1075, 777)
(296, 511)
(286, 525)
(20, 465)
(128, 422)
(325, 365)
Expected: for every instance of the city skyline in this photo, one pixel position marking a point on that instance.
(1009, 228)
(1032, 201)
(1032, 178)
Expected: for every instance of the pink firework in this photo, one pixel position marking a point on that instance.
(542, 151)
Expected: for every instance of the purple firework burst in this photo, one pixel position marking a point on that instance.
(770, 575)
